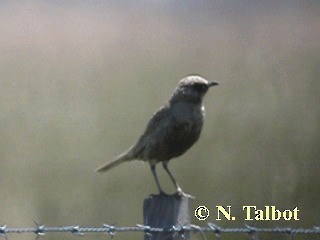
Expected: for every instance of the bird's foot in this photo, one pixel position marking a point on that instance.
(164, 193)
(161, 193)
(178, 193)
(182, 193)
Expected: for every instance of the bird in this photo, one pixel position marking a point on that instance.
(171, 131)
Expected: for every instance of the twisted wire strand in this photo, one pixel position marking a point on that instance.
(112, 229)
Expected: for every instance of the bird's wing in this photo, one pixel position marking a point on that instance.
(159, 121)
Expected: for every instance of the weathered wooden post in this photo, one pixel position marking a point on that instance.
(166, 211)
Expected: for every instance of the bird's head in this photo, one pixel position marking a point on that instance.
(192, 88)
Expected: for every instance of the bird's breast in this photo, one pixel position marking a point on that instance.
(191, 112)
(174, 134)
(188, 122)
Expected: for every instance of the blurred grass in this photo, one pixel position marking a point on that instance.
(79, 82)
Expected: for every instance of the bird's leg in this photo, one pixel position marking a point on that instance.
(178, 188)
(153, 169)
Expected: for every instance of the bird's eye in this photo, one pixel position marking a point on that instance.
(200, 87)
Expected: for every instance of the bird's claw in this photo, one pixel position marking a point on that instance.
(182, 193)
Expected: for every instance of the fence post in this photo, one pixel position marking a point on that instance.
(165, 212)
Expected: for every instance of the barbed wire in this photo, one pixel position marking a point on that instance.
(111, 230)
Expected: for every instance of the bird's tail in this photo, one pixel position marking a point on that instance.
(115, 162)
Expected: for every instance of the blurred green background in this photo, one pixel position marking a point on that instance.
(79, 82)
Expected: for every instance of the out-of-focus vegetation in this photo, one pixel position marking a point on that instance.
(79, 81)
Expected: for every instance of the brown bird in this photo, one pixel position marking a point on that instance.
(172, 130)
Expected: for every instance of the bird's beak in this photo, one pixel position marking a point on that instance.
(213, 83)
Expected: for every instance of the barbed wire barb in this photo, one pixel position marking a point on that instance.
(109, 230)
(3, 232)
(252, 231)
(195, 228)
(146, 229)
(75, 231)
(39, 229)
